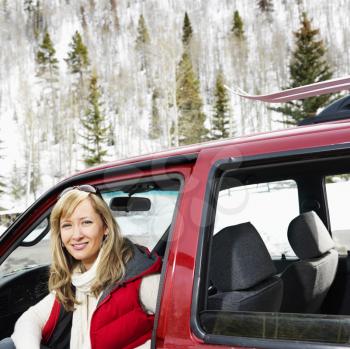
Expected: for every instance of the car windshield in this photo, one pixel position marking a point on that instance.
(146, 227)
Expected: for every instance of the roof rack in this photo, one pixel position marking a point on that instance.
(338, 110)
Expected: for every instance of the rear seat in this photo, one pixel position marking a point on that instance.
(242, 272)
(306, 282)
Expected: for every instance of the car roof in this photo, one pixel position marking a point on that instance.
(282, 135)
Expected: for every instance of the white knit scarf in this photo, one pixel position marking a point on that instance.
(80, 334)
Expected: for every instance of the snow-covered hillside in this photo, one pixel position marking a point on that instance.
(109, 30)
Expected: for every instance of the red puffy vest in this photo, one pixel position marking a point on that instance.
(119, 321)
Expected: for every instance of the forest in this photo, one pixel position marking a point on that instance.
(84, 82)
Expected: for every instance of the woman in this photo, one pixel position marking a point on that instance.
(103, 289)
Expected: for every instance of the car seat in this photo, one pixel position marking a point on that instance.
(242, 272)
(307, 281)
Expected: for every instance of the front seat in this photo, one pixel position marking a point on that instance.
(307, 281)
(242, 272)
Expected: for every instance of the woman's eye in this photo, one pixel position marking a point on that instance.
(87, 222)
(65, 226)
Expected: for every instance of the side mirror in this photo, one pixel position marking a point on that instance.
(130, 204)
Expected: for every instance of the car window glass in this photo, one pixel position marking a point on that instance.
(25, 257)
(338, 192)
(146, 227)
(269, 206)
(37, 231)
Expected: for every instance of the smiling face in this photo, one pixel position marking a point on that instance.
(82, 233)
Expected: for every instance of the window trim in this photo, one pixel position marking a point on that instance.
(299, 156)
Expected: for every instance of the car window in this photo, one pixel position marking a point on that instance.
(33, 251)
(252, 285)
(338, 192)
(248, 203)
(144, 227)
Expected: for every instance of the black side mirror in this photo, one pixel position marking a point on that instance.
(130, 204)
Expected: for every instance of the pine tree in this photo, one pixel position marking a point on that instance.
(46, 61)
(94, 124)
(36, 23)
(48, 75)
(17, 186)
(29, 6)
(78, 66)
(35, 173)
(237, 26)
(78, 58)
(265, 6)
(111, 134)
(186, 31)
(2, 183)
(142, 32)
(142, 42)
(38, 20)
(172, 134)
(189, 104)
(308, 65)
(221, 118)
(155, 129)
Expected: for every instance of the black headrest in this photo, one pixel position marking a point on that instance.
(308, 236)
(239, 258)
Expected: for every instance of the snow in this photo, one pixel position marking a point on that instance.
(126, 88)
(270, 208)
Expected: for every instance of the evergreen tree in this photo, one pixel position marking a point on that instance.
(155, 129)
(17, 186)
(308, 65)
(46, 61)
(172, 133)
(186, 31)
(94, 124)
(237, 26)
(221, 118)
(29, 6)
(78, 66)
(142, 42)
(142, 33)
(35, 173)
(2, 183)
(265, 6)
(78, 58)
(38, 20)
(48, 74)
(110, 135)
(189, 104)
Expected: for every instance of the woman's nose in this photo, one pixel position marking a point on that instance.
(76, 232)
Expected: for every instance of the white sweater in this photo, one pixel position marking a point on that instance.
(28, 328)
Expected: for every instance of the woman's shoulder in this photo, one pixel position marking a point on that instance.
(142, 263)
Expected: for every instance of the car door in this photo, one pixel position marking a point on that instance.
(24, 247)
(268, 190)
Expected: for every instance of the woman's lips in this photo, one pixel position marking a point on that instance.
(79, 246)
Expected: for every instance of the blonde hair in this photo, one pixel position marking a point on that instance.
(114, 254)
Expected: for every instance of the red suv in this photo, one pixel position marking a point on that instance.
(254, 233)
